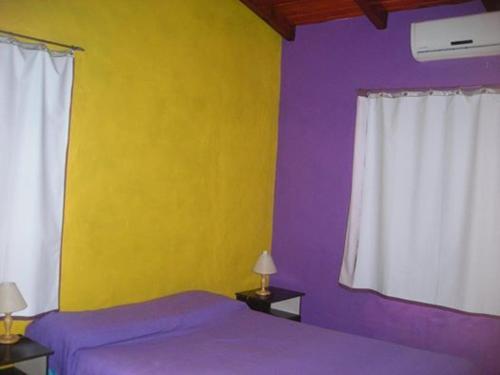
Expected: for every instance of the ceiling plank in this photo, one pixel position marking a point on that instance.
(274, 19)
(374, 12)
(491, 5)
(317, 11)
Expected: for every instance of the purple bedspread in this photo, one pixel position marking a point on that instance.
(203, 333)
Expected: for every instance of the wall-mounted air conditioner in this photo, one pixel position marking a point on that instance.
(455, 38)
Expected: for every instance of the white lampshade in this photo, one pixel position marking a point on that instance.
(11, 299)
(265, 264)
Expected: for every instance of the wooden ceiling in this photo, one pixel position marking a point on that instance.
(284, 15)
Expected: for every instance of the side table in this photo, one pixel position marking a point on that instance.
(27, 357)
(281, 302)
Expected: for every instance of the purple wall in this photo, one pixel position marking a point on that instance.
(321, 72)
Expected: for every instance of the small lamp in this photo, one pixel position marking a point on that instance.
(11, 301)
(264, 266)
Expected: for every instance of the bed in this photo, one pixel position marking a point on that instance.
(203, 333)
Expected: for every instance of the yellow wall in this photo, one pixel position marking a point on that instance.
(172, 150)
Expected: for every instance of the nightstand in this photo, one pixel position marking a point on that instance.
(27, 356)
(282, 303)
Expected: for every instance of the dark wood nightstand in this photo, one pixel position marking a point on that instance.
(282, 303)
(27, 356)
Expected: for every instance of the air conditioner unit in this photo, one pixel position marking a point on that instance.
(455, 38)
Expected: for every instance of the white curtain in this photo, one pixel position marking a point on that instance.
(35, 96)
(424, 220)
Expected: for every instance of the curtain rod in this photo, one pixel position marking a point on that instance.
(416, 91)
(74, 48)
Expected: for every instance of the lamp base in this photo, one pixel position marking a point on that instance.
(9, 339)
(263, 292)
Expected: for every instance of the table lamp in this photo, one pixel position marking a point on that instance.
(11, 301)
(264, 266)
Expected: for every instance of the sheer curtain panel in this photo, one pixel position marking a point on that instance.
(424, 220)
(35, 96)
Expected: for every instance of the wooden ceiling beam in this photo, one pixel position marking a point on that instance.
(374, 12)
(268, 13)
(491, 5)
